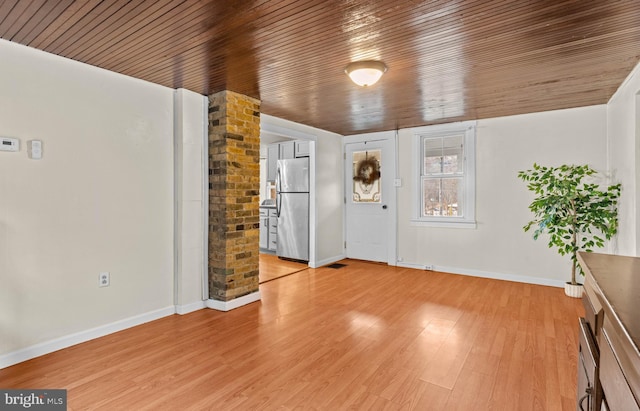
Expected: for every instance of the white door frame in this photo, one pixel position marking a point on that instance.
(392, 202)
(279, 127)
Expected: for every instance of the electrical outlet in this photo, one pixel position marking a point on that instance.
(104, 279)
(428, 267)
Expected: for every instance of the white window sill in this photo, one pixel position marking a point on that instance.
(443, 224)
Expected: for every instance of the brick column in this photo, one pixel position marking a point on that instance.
(234, 190)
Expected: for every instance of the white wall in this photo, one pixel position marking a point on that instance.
(329, 187)
(99, 200)
(499, 247)
(329, 198)
(191, 194)
(623, 134)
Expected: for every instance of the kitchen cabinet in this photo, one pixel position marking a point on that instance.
(287, 150)
(275, 152)
(273, 230)
(272, 161)
(264, 228)
(268, 228)
(301, 148)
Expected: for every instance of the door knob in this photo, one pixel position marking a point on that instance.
(384, 207)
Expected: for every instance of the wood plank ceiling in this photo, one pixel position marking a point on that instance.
(447, 60)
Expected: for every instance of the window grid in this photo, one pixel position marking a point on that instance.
(442, 176)
(444, 167)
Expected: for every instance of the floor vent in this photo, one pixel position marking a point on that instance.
(336, 265)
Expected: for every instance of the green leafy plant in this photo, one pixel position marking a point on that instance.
(575, 214)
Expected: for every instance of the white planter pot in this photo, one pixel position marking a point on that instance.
(574, 291)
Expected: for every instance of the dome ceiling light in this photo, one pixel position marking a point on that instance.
(365, 73)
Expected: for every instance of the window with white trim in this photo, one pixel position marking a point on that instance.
(444, 175)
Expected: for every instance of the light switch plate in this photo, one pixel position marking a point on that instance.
(35, 149)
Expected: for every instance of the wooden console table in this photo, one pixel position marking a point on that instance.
(612, 317)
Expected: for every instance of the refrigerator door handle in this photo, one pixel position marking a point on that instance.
(278, 194)
(278, 204)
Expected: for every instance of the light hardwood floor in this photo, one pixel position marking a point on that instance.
(365, 336)
(272, 267)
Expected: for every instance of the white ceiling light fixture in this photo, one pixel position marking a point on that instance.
(365, 73)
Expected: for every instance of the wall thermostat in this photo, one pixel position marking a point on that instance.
(9, 144)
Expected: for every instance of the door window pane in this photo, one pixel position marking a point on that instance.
(366, 176)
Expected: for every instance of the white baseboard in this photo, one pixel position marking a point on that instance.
(235, 303)
(411, 265)
(47, 347)
(191, 307)
(486, 274)
(327, 261)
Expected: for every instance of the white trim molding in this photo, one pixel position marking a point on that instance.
(388, 140)
(47, 347)
(327, 261)
(468, 129)
(235, 303)
(486, 274)
(276, 126)
(205, 199)
(191, 307)
(415, 266)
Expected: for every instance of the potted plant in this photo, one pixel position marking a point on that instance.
(577, 215)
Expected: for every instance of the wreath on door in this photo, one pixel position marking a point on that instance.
(367, 171)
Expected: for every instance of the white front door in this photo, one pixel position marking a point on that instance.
(370, 201)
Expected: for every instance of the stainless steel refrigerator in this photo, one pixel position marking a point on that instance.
(292, 205)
